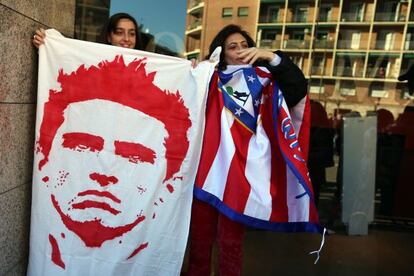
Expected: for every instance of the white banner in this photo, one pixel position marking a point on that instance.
(118, 139)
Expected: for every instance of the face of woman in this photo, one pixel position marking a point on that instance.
(124, 35)
(234, 43)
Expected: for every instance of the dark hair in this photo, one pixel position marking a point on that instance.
(141, 95)
(111, 25)
(221, 37)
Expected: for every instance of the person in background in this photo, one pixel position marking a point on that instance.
(207, 224)
(121, 30)
(321, 148)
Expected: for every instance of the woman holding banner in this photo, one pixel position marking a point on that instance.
(207, 223)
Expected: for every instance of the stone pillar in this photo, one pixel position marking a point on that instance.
(18, 87)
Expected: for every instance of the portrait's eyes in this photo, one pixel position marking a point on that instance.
(81, 142)
(134, 152)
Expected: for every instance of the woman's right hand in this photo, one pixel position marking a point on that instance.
(39, 38)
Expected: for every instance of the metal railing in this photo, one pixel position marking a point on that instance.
(324, 44)
(298, 19)
(296, 44)
(347, 71)
(355, 17)
(318, 70)
(352, 45)
(270, 44)
(384, 45)
(380, 73)
(389, 16)
(270, 19)
(194, 3)
(194, 25)
(326, 18)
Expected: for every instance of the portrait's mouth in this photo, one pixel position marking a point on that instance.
(105, 194)
(97, 204)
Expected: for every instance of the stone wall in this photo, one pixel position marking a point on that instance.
(18, 82)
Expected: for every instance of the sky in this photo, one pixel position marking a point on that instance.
(165, 19)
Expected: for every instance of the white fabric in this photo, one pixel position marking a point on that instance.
(167, 214)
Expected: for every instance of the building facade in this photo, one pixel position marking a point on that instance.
(206, 18)
(352, 52)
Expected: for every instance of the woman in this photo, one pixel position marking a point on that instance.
(121, 30)
(207, 224)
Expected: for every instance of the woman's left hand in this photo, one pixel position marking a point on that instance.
(251, 55)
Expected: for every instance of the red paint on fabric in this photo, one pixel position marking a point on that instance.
(82, 141)
(211, 141)
(93, 233)
(138, 249)
(153, 216)
(131, 86)
(237, 188)
(45, 179)
(102, 179)
(100, 194)
(56, 257)
(62, 235)
(95, 204)
(170, 188)
(278, 169)
(134, 152)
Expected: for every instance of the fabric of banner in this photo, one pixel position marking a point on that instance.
(118, 140)
(253, 161)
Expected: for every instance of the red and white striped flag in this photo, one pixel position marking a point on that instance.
(253, 162)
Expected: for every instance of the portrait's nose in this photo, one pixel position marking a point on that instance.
(103, 180)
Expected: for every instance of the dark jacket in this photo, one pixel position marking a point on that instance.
(290, 79)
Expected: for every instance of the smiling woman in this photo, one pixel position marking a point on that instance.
(120, 30)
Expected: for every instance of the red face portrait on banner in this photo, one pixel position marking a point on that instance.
(110, 141)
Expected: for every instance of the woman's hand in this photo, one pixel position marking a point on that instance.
(194, 62)
(251, 55)
(39, 38)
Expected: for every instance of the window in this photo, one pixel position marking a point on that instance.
(301, 13)
(318, 65)
(378, 90)
(243, 11)
(273, 14)
(227, 12)
(325, 12)
(298, 60)
(357, 11)
(347, 88)
(316, 87)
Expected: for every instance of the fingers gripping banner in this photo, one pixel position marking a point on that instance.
(118, 138)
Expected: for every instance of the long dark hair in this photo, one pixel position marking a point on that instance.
(111, 25)
(220, 39)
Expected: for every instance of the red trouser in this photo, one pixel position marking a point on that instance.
(207, 224)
